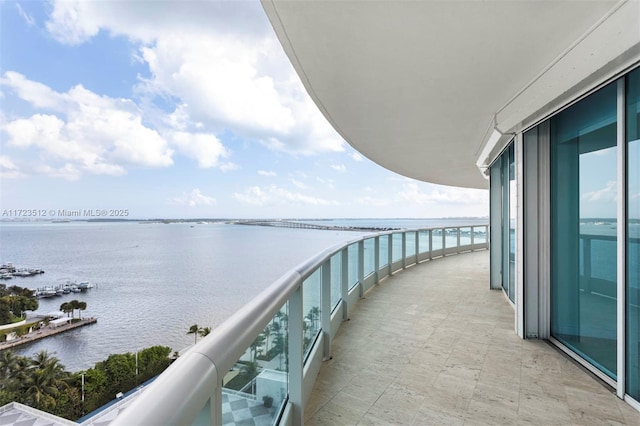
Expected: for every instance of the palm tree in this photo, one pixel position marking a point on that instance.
(314, 314)
(66, 307)
(194, 329)
(254, 346)
(267, 333)
(81, 307)
(250, 371)
(75, 304)
(204, 331)
(9, 366)
(45, 378)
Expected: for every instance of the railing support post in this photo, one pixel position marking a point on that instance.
(430, 244)
(404, 249)
(216, 403)
(458, 238)
(361, 268)
(472, 236)
(390, 253)
(325, 276)
(376, 259)
(296, 347)
(444, 241)
(417, 251)
(344, 283)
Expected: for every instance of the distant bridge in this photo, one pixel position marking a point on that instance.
(304, 225)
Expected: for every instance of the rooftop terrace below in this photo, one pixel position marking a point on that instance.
(433, 345)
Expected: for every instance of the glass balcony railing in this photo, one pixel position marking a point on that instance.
(260, 365)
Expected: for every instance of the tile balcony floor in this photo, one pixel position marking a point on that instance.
(433, 345)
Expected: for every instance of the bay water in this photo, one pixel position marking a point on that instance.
(153, 280)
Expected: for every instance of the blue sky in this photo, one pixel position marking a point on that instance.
(179, 109)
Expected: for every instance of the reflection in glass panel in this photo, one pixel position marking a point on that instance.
(423, 241)
(436, 239)
(512, 223)
(451, 239)
(336, 279)
(410, 244)
(504, 177)
(353, 265)
(397, 247)
(311, 291)
(465, 236)
(479, 235)
(369, 256)
(583, 228)
(259, 379)
(633, 234)
(384, 251)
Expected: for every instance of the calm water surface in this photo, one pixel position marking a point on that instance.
(154, 280)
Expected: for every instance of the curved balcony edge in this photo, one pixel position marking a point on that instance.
(190, 390)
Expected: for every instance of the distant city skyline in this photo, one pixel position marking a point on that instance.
(179, 110)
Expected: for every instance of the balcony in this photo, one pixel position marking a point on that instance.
(433, 345)
(426, 342)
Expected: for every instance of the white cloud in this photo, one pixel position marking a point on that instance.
(206, 149)
(443, 195)
(609, 192)
(76, 21)
(267, 173)
(339, 167)
(253, 195)
(357, 157)
(193, 199)
(8, 169)
(221, 60)
(37, 94)
(298, 184)
(67, 171)
(28, 18)
(330, 183)
(85, 132)
(273, 194)
(229, 166)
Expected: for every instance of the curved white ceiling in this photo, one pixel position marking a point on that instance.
(417, 86)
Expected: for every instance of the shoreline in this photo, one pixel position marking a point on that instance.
(49, 331)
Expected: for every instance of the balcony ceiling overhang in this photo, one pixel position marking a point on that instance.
(418, 87)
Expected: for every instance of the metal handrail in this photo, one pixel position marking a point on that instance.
(194, 380)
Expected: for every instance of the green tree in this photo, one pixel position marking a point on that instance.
(81, 307)
(14, 301)
(120, 370)
(67, 308)
(8, 365)
(204, 331)
(267, 333)
(5, 313)
(153, 361)
(249, 371)
(45, 379)
(75, 304)
(255, 345)
(194, 329)
(314, 317)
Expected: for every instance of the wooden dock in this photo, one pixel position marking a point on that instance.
(46, 332)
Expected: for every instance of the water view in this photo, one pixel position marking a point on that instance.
(153, 281)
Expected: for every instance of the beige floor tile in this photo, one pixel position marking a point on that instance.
(432, 345)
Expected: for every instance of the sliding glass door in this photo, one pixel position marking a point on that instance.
(633, 234)
(504, 170)
(583, 228)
